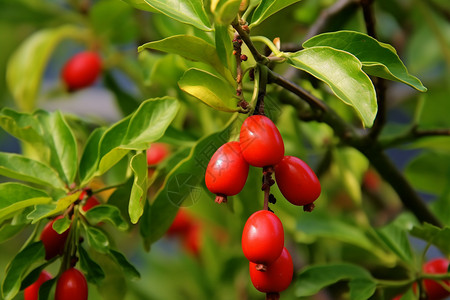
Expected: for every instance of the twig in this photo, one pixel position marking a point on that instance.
(246, 38)
(412, 135)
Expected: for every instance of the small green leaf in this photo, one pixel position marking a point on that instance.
(8, 231)
(210, 89)
(342, 72)
(434, 235)
(16, 196)
(227, 11)
(92, 270)
(224, 45)
(267, 8)
(49, 210)
(61, 225)
(138, 165)
(141, 4)
(89, 157)
(46, 288)
(186, 11)
(18, 267)
(396, 239)
(31, 58)
(197, 50)
(61, 142)
(27, 169)
(104, 212)
(97, 239)
(122, 261)
(312, 279)
(378, 59)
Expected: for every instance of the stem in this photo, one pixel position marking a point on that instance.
(267, 42)
(267, 183)
(246, 38)
(262, 83)
(272, 296)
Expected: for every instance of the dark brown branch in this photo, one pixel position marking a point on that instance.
(413, 135)
(246, 38)
(371, 149)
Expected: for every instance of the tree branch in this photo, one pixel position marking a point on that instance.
(412, 135)
(246, 38)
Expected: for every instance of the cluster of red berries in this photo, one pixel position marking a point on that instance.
(71, 283)
(261, 145)
(433, 289)
(82, 70)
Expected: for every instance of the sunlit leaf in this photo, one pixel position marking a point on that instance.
(434, 235)
(267, 8)
(104, 212)
(138, 195)
(342, 72)
(44, 211)
(378, 59)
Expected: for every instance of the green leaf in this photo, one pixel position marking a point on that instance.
(378, 59)
(61, 225)
(141, 4)
(97, 239)
(46, 288)
(312, 279)
(61, 142)
(137, 131)
(198, 50)
(429, 172)
(31, 58)
(18, 267)
(227, 11)
(267, 8)
(122, 261)
(341, 71)
(396, 239)
(104, 212)
(182, 186)
(23, 126)
(126, 102)
(210, 89)
(89, 157)
(92, 270)
(434, 235)
(44, 211)
(224, 44)
(138, 165)
(26, 169)
(16, 196)
(185, 11)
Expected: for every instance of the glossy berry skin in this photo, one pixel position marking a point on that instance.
(296, 181)
(81, 70)
(157, 153)
(53, 242)
(71, 285)
(433, 289)
(90, 203)
(261, 142)
(31, 292)
(263, 237)
(277, 277)
(181, 224)
(227, 170)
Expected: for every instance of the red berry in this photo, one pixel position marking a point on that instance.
(71, 285)
(371, 180)
(261, 142)
(90, 203)
(181, 224)
(227, 171)
(434, 290)
(81, 70)
(53, 242)
(156, 153)
(297, 182)
(277, 277)
(31, 292)
(263, 237)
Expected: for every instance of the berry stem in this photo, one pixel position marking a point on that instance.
(267, 182)
(272, 296)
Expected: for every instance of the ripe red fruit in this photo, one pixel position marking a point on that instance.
(181, 224)
(261, 142)
(81, 70)
(296, 181)
(192, 240)
(53, 241)
(90, 203)
(31, 292)
(371, 180)
(433, 289)
(263, 238)
(156, 153)
(227, 171)
(277, 277)
(71, 285)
